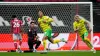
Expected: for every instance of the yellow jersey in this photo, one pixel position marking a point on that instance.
(45, 25)
(81, 26)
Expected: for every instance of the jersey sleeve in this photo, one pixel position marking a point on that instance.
(48, 19)
(39, 20)
(83, 20)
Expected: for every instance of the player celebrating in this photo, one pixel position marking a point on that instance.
(44, 23)
(79, 26)
(16, 30)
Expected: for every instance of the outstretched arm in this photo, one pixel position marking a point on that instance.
(48, 19)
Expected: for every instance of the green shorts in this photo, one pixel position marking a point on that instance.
(48, 33)
(84, 35)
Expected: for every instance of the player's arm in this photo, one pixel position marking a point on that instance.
(36, 36)
(22, 28)
(88, 25)
(75, 28)
(48, 20)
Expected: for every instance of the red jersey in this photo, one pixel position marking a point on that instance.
(16, 25)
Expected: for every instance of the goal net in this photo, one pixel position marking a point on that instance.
(62, 12)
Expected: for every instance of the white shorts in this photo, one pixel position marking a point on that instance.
(17, 37)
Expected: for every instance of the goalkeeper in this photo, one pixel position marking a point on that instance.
(79, 26)
(44, 23)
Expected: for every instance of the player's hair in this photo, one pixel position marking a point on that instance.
(40, 11)
(14, 16)
(32, 22)
(82, 18)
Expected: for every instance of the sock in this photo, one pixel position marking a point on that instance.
(34, 48)
(56, 41)
(15, 45)
(88, 43)
(20, 43)
(44, 44)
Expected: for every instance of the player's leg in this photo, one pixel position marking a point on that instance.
(30, 44)
(49, 32)
(55, 35)
(20, 42)
(54, 41)
(37, 45)
(44, 41)
(15, 41)
(86, 40)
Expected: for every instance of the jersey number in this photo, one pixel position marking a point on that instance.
(16, 24)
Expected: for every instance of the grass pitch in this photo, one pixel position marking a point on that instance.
(60, 53)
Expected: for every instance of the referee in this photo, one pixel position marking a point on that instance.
(32, 37)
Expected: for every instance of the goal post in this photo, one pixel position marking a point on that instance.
(62, 12)
(91, 13)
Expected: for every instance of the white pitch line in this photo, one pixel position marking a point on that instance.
(68, 51)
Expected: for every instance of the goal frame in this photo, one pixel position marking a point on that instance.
(41, 3)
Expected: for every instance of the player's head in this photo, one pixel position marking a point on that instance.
(14, 16)
(77, 18)
(40, 13)
(32, 24)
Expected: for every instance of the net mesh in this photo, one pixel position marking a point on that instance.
(64, 13)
